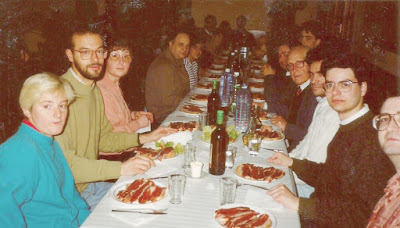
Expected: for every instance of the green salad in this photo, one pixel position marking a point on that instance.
(178, 148)
(231, 130)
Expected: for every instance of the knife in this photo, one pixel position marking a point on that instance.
(256, 186)
(145, 211)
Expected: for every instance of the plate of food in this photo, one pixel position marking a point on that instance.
(242, 215)
(207, 86)
(207, 130)
(258, 97)
(267, 133)
(192, 109)
(202, 98)
(140, 192)
(167, 151)
(256, 86)
(184, 126)
(215, 70)
(252, 172)
(212, 77)
(256, 78)
(263, 115)
(217, 66)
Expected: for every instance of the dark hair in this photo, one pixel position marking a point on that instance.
(196, 38)
(171, 34)
(357, 64)
(331, 46)
(313, 27)
(120, 43)
(210, 17)
(80, 28)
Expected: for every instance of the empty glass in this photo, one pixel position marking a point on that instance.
(176, 188)
(188, 155)
(227, 190)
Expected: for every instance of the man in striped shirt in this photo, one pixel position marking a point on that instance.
(196, 49)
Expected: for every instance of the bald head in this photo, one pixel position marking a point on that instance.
(299, 50)
(297, 66)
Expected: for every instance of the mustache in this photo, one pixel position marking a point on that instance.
(95, 64)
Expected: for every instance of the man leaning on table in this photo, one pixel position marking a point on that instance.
(350, 182)
(325, 122)
(87, 130)
(167, 81)
(303, 103)
(387, 211)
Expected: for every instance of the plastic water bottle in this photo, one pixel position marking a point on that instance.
(243, 105)
(225, 86)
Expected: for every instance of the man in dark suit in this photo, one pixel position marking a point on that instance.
(301, 111)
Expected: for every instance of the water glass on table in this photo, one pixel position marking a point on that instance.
(230, 156)
(227, 190)
(176, 188)
(254, 143)
(202, 120)
(188, 155)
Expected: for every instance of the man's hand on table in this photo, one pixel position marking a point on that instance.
(283, 195)
(267, 69)
(136, 165)
(280, 122)
(280, 159)
(136, 115)
(156, 134)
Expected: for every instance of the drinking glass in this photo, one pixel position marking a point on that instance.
(227, 190)
(254, 143)
(202, 120)
(188, 155)
(176, 187)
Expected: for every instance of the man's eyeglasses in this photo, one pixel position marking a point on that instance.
(381, 121)
(298, 64)
(87, 54)
(343, 86)
(114, 56)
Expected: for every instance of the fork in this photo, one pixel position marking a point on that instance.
(142, 211)
(256, 186)
(158, 155)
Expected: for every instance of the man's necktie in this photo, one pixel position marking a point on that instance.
(298, 92)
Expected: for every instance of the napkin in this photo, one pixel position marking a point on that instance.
(145, 129)
(252, 197)
(181, 137)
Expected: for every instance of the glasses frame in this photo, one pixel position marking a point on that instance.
(91, 53)
(120, 57)
(391, 117)
(340, 88)
(298, 64)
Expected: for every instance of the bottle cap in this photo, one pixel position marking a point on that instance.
(220, 117)
(214, 84)
(227, 70)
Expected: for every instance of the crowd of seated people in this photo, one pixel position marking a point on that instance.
(347, 174)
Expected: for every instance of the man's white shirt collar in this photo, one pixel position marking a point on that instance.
(77, 78)
(209, 33)
(304, 85)
(287, 74)
(355, 115)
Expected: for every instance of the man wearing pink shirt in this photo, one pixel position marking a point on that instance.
(387, 211)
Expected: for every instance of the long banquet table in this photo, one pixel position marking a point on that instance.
(201, 197)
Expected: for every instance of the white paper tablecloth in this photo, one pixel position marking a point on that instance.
(201, 197)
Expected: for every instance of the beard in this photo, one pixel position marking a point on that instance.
(86, 72)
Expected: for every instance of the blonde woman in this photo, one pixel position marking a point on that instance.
(36, 185)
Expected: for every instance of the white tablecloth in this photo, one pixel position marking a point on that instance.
(201, 197)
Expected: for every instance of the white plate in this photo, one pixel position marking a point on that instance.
(214, 71)
(257, 181)
(256, 90)
(256, 79)
(163, 203)
(217, 66)
(254, 208)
